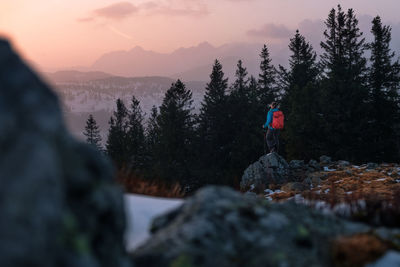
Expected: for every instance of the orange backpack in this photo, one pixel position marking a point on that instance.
(278, 120)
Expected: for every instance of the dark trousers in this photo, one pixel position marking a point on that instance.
(273, 140)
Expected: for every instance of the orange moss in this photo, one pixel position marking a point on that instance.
(282, 195)
(357, 250)
(352, 183)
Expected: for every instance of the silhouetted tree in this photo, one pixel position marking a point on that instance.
(92, 133)
(152, 137)
(242, 132)
(240, 84)
(117, 142)
(300, 101)
(135, 136)
(384, 83)
(175, 124)
(267, 79)
(212, 131)
(344, 90)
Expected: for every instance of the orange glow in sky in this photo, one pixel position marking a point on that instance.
(61, 33)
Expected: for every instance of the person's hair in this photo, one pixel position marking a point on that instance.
(274, 104)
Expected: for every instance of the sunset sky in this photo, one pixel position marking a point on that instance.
(61, 33)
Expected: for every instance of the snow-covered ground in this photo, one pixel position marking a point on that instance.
(140, 210)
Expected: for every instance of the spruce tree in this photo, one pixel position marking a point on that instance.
(266, 79)
(242, 132)
(241, 83)
(384, 83)
(175, 124)
(117, 143)
(151, 142)
(344, 87)
(135, 136)
(212, 130)
(300, 101)
(92, 133)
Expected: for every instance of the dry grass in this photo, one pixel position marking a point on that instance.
(372, 196)
(357, 250)
(138, 185)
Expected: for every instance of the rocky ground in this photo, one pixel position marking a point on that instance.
(369, 192)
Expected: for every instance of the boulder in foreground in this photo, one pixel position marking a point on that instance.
(221, 227)
(59, 204)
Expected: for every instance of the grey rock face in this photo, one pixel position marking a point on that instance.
(59, 205)
(270, 168)
(343, 163)
(372, 165)
(221, 227)
(297, 164)
(325, 160)
(314, 165)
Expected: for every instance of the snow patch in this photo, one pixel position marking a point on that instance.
(140, 211)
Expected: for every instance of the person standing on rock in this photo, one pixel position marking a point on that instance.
(274, 124)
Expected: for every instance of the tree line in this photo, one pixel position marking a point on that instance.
(343, 103)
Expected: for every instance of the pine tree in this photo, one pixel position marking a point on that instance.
(242, 132)
(117, 143)
(135, 136)
(300, 101)
(92, 133)
(175, 124)
(151, 143)
(303, 68)
(212, 130)
(384, 83)
(152, 130)
(267, 79)
(241, 83)
(344, 87)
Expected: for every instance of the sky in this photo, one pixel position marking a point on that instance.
(66, 33)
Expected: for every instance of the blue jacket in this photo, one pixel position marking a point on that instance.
(269, 118)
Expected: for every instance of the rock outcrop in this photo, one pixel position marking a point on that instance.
(221, 227)
(272, 169)
(59, 205)
(269, 169)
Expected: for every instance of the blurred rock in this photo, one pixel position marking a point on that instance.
(59, 204)
(325, 160)
(297, 164)
(221, 227)
(372, 165)
(314, 164)
(343, 163)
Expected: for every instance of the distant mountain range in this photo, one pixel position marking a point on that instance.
(190, 64)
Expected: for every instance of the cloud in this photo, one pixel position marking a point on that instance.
(272, 31)
(177, 8)
(119, 10)
(173, 8)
